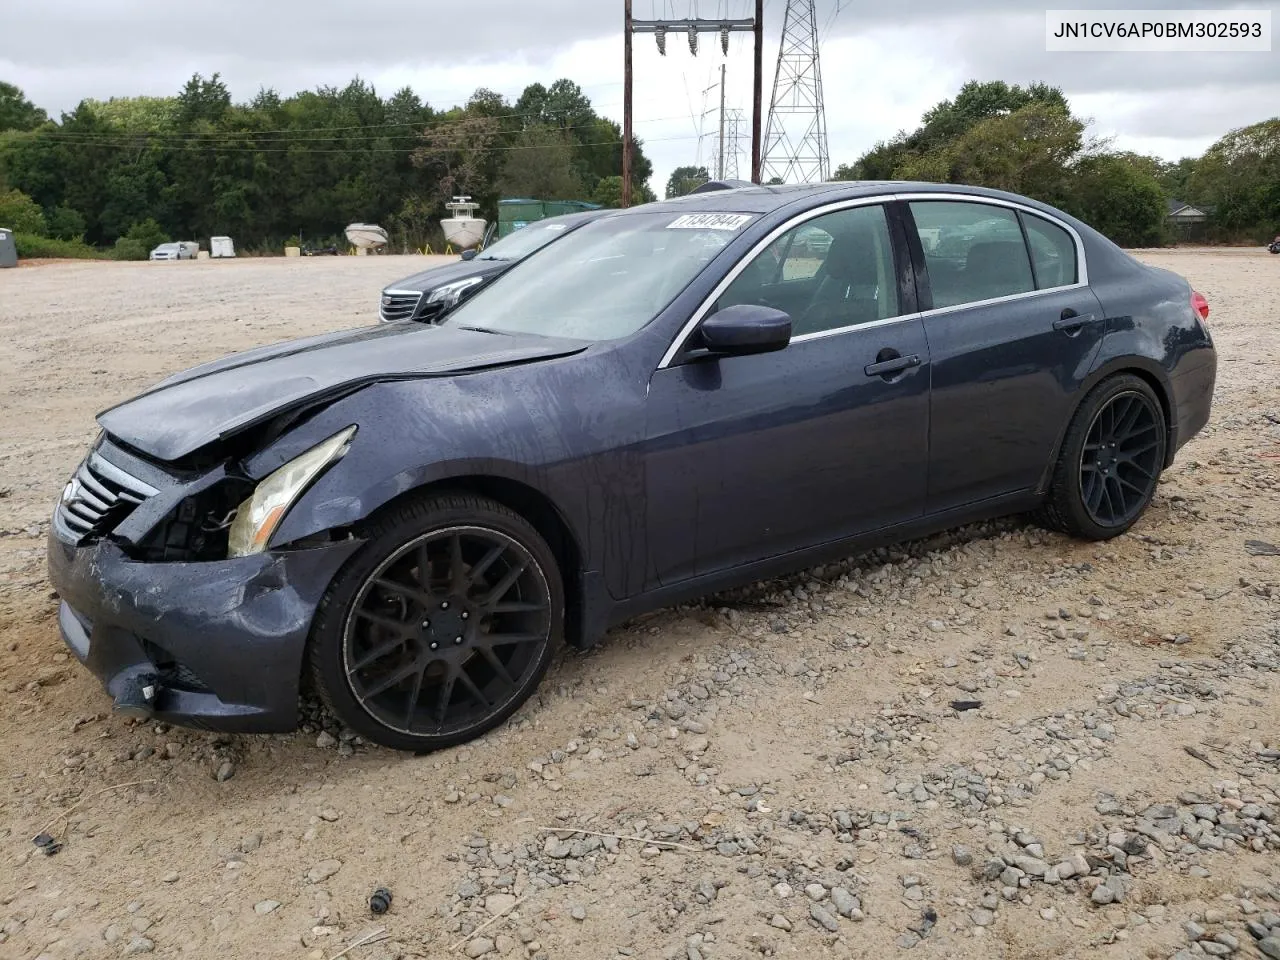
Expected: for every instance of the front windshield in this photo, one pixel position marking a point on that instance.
(604, 280)
(518, 245)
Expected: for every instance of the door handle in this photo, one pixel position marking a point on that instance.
(1071, 322)
(887, 368)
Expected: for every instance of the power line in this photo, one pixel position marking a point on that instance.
(250, 148)
(292, 135)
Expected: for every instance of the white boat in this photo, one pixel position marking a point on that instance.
(366, 236)
(463, 230)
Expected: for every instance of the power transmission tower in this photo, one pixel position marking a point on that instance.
(795, 143)
(722, 159)
(733, 137)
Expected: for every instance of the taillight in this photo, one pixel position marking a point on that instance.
(1200, 305)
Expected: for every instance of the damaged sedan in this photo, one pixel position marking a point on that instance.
(669, 401)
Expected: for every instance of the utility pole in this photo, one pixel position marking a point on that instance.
(720, 162)
(691, 27)
(758, 95)
(626, 106)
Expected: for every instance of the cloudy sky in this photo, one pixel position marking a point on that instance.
(883, 63)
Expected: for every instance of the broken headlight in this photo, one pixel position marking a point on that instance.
(260, 514)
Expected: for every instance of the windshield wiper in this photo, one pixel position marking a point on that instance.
(496, 333)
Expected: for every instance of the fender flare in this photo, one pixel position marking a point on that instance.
(1144, 367)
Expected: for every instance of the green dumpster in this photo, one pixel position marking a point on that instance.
(515, 213)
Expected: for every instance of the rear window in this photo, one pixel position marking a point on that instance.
(1053, 252)
(978, 253)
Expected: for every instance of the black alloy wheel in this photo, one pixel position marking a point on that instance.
(1119, 466)
(448, 620)
(1110, 462)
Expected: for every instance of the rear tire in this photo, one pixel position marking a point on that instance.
(1110, 462)
(441, 626)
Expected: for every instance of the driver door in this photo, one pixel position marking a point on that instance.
(754, 456)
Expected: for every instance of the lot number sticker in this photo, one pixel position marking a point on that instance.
(710, 221)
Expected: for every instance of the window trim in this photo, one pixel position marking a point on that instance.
(678, 343)
(1082, 267)
(884, 199)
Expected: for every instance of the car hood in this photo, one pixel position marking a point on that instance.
(462, 270)
(207, 403)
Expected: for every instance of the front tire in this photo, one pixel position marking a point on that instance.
(1110, 461)
(441, 626)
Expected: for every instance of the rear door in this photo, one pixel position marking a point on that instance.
(1013, 329)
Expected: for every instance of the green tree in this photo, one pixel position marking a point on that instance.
(540, 165)
(946, 121)
(66, 223)
(1120, 198)
(412, 223)
(21, 214)
(1026, 151)
(137, 114)
(141, 239)
(684, 180)
(16, 111)
(1175, 178)
(203, 100)
(200, 164)
(608, 192)
(1239, 177)
(457, 152)
(977, 102)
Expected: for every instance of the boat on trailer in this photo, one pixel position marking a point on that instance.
(463, 230)
(366, 236)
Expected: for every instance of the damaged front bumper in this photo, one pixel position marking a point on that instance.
(221, 642)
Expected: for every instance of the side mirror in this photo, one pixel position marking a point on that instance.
(469, 254)
(746, 328)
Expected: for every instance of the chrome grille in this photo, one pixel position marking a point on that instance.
(98, 497)
(398, 304)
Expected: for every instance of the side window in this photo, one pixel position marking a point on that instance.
(833, 271)
(1052, 251)
(974, 251)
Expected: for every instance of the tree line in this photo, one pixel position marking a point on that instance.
(1027, 140)
(126, 171)
(130, 172)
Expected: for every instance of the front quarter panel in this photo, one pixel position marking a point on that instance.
(569, 429)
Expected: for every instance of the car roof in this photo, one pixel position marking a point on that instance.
(582, 216)
(766, 199)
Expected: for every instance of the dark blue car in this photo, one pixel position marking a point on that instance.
(430, 294)
(669, 401)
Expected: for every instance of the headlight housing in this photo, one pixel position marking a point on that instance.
(260, 514)
(449, 294)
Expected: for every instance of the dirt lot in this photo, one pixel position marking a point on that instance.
(789, 757)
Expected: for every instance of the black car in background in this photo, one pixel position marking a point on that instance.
(674, 399)
(427, 296)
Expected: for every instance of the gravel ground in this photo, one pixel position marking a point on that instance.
(996, 743)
